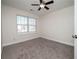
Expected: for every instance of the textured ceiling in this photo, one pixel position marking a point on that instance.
(26, 5)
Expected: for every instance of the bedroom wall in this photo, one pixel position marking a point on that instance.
(58, 26)
(9, 34)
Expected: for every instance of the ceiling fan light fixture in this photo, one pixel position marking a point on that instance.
(42, 5)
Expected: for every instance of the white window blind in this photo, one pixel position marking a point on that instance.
(26, 24)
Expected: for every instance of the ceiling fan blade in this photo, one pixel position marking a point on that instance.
(49, 2)
(35, 4)
(41, 1)
(39, 8)
(46, 8)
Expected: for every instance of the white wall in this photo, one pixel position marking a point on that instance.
(9, 34)
(58, 25)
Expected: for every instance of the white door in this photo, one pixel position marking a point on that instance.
(76, 31)
(77, 41)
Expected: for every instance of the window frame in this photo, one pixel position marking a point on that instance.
(27, 25)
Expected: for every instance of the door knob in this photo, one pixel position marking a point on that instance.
(74, 36)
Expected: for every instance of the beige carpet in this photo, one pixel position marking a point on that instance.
(38, 48)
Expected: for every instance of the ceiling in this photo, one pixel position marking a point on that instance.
(26, 5)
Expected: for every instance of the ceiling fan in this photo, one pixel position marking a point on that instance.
(43, 4)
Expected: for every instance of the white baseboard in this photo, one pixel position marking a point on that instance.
(21, 40)
(53, 39)
(36, 36)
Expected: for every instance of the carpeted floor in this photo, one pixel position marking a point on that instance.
(38, 48)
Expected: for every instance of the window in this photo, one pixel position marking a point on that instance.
(26, 24)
